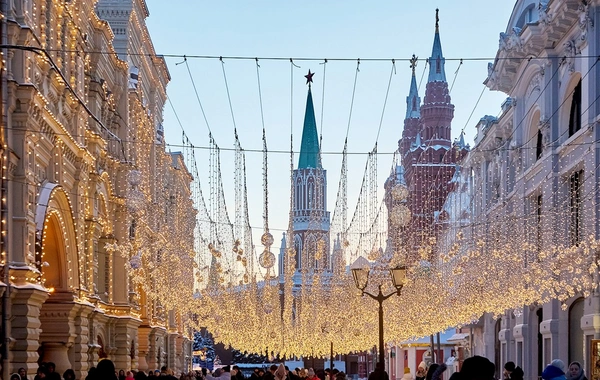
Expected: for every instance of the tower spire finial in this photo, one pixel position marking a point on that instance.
(413, 63)
(309, 78)
(437, 20)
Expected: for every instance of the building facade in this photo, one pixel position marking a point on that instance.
(540, 161)
(88, 191)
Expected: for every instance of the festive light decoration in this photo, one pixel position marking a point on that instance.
(172, 253)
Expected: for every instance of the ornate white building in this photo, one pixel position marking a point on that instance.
(90, 198)
(540, 161)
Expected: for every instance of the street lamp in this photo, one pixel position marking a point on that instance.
(360, 272)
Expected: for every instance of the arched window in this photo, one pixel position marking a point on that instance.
(575, 332)
(298, 194)
(311, 193)
(298, 249)
(575, 113)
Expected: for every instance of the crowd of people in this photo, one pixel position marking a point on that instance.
(480, 368)
(106, 371)
(556, 370)
(473, 368)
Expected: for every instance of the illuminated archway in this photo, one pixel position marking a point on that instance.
(56, 256)
(57, 260)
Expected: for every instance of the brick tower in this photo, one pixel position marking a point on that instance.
(429, 157)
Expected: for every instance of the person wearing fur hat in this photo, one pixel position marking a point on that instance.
(576, 372)
(407, 375)
(554, 371)
(421, 371)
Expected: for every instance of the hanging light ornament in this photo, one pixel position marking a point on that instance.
(400, 215)
(136, 261)
(136, 200)
(134, 177)
(400, 192)
(266, 259)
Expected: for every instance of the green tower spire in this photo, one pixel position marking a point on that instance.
(310, 152)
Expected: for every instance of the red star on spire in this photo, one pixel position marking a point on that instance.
(308, 77)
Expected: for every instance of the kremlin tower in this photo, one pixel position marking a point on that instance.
(428, 157)
(310, 218)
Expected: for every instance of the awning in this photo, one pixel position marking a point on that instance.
(458, 337)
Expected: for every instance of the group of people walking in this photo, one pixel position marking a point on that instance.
(556, 370)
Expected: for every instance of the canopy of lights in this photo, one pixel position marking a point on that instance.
(233, 288)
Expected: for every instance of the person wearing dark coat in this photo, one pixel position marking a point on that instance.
(69, 374)
(270, 374)
(379, 373)
(238, 373)
(432, 368)
(106, 370)
(477, 368)
(52, 374)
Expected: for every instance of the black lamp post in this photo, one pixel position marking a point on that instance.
(360, 272)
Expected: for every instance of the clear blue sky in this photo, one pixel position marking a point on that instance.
(320, 29)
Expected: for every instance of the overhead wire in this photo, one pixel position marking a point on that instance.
(266, 58)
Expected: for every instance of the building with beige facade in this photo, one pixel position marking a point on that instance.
(97, 216)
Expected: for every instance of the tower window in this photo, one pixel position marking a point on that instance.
(438, 65)
(575, 114)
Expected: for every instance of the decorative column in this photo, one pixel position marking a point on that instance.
(58, 330)
(25, 329)
(78, 353)
(172, 351)
(126, 332)
(143, 348)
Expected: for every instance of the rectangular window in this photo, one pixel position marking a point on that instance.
(575, 187)
(575, 114)
(539, 223)
(539, 146)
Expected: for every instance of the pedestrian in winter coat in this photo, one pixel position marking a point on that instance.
(270, 374)
(554, 371)
(311, 375)
(421, 371)
(407, 375)
(432, 368)
(437, 374)
(576, 372)
(69, 374)
(280, 373)
(477, 368)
